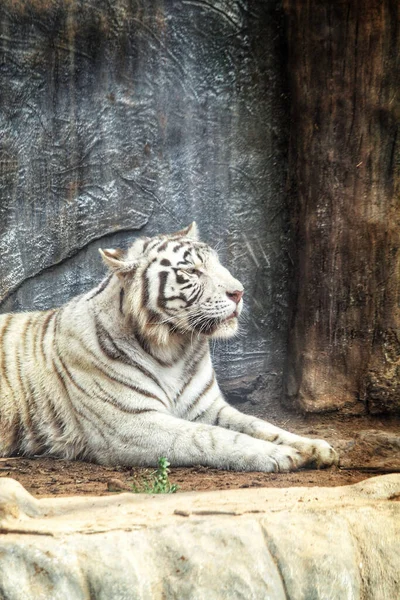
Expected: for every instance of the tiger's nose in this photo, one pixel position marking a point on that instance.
(236, 296)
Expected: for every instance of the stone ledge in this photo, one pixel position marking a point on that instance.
(293, 543)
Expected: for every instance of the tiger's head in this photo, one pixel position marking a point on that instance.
(175, 284)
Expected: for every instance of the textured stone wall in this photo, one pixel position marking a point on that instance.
(125, 118)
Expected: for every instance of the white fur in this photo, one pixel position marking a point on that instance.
(112, 380)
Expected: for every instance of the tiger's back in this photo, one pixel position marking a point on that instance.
(34, 417)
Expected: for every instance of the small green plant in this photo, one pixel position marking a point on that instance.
(158, 483)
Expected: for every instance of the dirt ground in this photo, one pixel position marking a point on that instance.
(367, 446)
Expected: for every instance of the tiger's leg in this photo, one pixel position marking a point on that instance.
(144, 438)
(314, 452)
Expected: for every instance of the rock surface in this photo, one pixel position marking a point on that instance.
(121, 119)
(290, 544)
(372, 448)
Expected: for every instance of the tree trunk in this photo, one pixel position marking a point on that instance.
(344, 183)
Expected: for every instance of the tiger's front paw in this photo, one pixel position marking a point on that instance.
(317, 454)
(286, 459)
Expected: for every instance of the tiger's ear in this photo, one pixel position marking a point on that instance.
(114, 259)
(191, 231)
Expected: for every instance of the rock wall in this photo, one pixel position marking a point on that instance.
(126, 118)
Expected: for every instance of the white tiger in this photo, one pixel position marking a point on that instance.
(123, 375)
